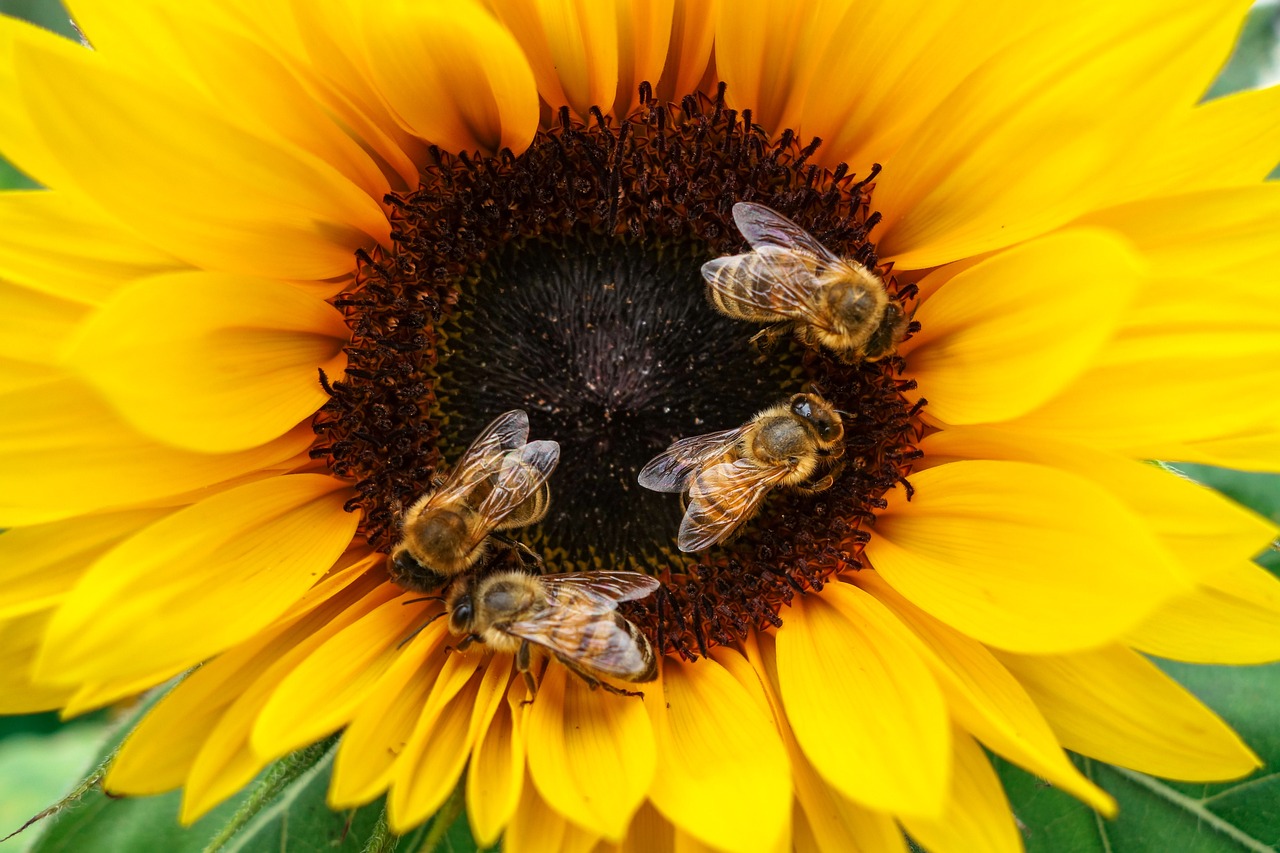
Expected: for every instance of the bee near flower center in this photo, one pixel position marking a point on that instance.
(565, 282)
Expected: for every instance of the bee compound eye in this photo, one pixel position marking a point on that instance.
(462, 613)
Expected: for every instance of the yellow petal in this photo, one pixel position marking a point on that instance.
(842, 654)
(1030, 139)
(1221, 235)
(645, 31)
(592, 54)
(496, 773)
(252, 206)
(20, 141)
(834, 821)
(159, 753)
(64, 452)
(767, 53)
(1188, 156)
(433, 759)
(139, 36)
(243, 76)
(649, 832)
(1200, 527)
(452, 74)
(20, 638)
(994, 549)
(322, 693)
(19, 374)
(1004, 336)
(42, 563)
(591, 754)
(1161, 387)
(384, 720)
(1232, 616)
(1115, 706)
(977, 815)
(1256, 449)
(722, 772)
(245, 554)
(987, 701)
(35, 326)
(693, 30)
(909, 56)
(35, 251)
(94, 695)
(536, 827)
(318, 40)
(227, 761)
(210, 361)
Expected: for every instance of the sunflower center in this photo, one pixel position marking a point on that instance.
(612, 349)
(565, 281)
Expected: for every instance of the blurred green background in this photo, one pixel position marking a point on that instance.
(41, 758)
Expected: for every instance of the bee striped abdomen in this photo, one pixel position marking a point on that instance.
(615, 639)
(738, 286)
(531, 511)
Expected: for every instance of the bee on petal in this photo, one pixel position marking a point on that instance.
(571, 617)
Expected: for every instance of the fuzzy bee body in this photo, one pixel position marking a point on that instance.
(727, 474)
(499, 483)
(571, 617)
(793, 283)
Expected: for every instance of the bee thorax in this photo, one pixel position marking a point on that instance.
(780, 439)
(852, 304)
(440, 537)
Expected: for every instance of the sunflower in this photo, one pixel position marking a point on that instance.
(292, 257)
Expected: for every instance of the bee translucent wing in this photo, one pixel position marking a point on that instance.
(766, 228)
(722, 498)
(672, 469)
(518, 474)
(768, 284)
(604, 589)
(506, 432)
(596, 643)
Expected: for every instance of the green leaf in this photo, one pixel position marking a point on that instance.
(1157, 815)
(283, 810)
(1253, 54)
(297, 819)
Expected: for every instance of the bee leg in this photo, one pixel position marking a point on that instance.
(831, 454)
(768, 337)
(823, 484)
(463, 644)
(820, 486)
(593, 682)
(530, 560)
(524, 663)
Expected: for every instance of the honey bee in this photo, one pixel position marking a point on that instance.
(500, 483)
(727, 474)
(572, 617)
(793, 282)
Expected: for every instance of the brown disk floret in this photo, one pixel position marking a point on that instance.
(667, 177)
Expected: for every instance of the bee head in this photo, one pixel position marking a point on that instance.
(826, 422)
(406, 571)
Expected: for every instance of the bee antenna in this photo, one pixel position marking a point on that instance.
(843, 412)
(419, 629)
(424, 598)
